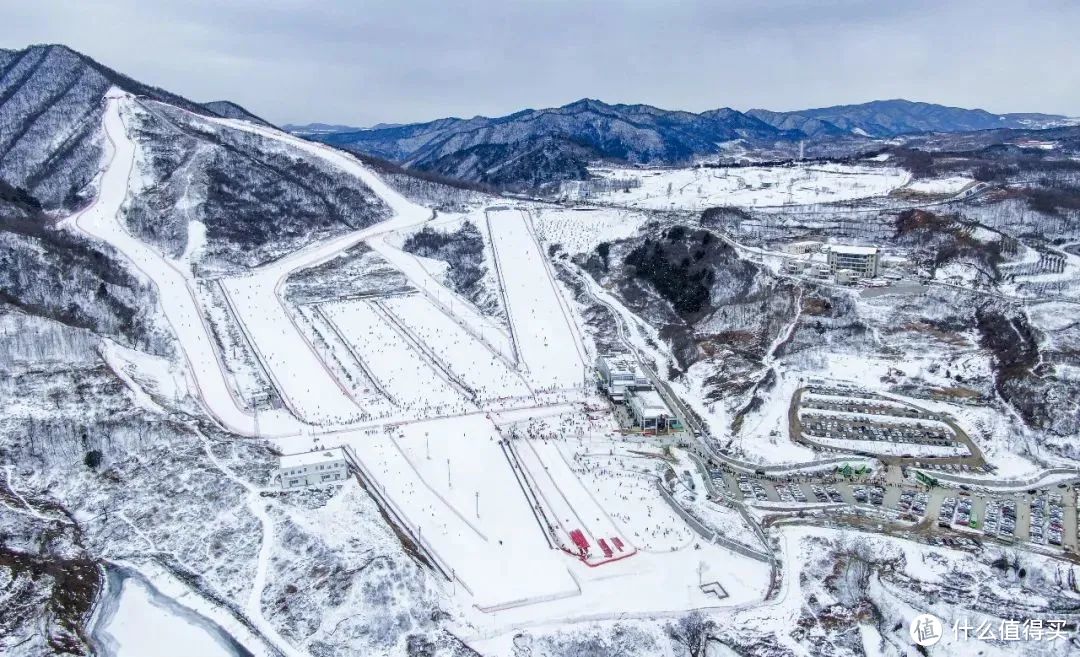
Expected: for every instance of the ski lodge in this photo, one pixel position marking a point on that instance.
(310, 469)
(618, 373)
(648, 410)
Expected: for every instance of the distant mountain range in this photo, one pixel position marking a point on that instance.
(532, 147)
(50, 105)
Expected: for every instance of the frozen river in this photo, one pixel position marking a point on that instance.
(136, 620)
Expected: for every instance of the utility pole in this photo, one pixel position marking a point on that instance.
(427, 443)
(449, 481)
(477, 504)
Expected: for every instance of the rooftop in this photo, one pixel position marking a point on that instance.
(620, 363)
(310, 458)
(650, 403)
(853, 250)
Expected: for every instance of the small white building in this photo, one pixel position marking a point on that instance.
(845, 277)
(803, 247)
(618, 373)
(648, 410)
(865, 261)
(311, 469)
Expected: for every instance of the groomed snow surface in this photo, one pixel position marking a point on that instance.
(546, 339)
(175, 286)
(487, 521)
(698, 188)
(562, 522)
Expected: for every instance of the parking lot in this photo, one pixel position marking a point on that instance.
(1046, 516)
(824, 426)
(837, 418)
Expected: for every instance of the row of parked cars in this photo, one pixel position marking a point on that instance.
(752, 489)
(791, 493)
(827, 493)
(845, 429)
(867, 407)
(873, 494)
(912, 505)
(1047, 518)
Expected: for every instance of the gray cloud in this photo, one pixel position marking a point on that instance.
(369, 61)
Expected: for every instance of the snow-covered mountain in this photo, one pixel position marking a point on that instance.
(892, 118)
(534, 146)
(531, 147)
(195, 167)
(50, 108)
(119, 204)
(196, 308)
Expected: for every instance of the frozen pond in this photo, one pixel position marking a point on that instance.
(136, 620)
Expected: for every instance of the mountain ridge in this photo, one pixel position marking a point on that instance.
(50, 114)
(590, 129)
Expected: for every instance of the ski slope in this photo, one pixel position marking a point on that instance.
(301, 376)
(541, 325)
(486, 372)
(500, 553)
(400, 369)
(175, 287)
(582, 525)
(451, 303)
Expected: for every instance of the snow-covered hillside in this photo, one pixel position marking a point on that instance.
(801, 465)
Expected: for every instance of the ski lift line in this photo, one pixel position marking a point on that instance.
(289, 403)
(232, 313)
(375, 383)
(417, 345)
(479, 336)
(279, 298)
(555, 484)
(395, 515)
(311, 320)
(532, 501)
(518, 361)
(541, 497)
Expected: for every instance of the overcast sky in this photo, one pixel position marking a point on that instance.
(360, 62)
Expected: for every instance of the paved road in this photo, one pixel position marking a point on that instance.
(884, 518)
(927, 522)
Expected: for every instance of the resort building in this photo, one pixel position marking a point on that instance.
(648, 410)
(865, 261)
(618, 373)
(310, 469)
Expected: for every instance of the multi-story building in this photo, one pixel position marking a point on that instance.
(803, 247)
(648, 410)
(865, 261)
(618, 373)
